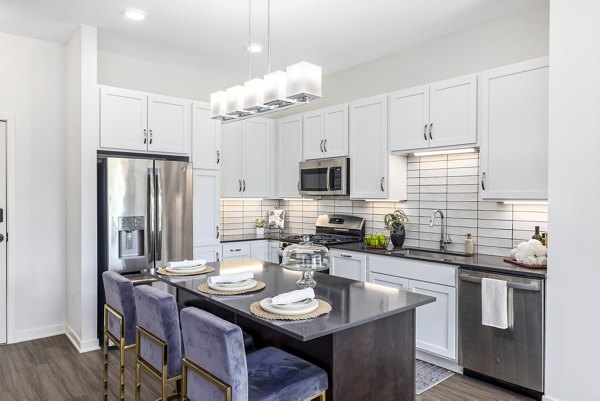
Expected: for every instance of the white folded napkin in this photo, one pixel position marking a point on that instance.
(494, 306)
(230, 278)
(293, 296)
(186, 264)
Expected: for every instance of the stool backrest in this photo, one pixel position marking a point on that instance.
(118, 292)
(217, 346)
(157, 313)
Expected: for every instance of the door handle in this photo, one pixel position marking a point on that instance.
(321, 146)
(217, 253)
(381, 184)
(298, 186)
(1, 215)
(159, 209)
(430, 129)
(218, 157)
(425, 132)
(325, 145)
(151, 215)
(145, 136)
(150, 137)
(483, 181)
(218, 232)
(244, 186)
(516, 286)
(239, 185)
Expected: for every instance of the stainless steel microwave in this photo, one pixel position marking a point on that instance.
(325, 177)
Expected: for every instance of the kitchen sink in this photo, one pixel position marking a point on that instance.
(431, 254)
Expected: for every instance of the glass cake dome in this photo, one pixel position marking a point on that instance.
(305, 257)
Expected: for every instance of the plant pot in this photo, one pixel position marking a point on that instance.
(260, 231)
(398, 237)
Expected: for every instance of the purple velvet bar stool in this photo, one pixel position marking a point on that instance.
(158, 337)
(119, 322)
(215, 367)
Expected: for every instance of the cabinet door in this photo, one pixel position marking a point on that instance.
(205, 138)
(259, 250)
(231, 181)
(255, 160)
(210, 253)
(349, 265)
(368, 148)
(169, 124)
(123, 119)
(453, 112)
(436, 322)
(313, 135)
(336, 131)
(206, 207)
(289, 156)
(389, 281)
(514, 137)
(409, 119)
(274, 252)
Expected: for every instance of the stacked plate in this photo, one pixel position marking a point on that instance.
(233, 286)
(186, 269)
(292, 309)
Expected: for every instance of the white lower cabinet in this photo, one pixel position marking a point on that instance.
(259, 250)
(274, 252)
(235, 250)
(352, 265)
(210, 253)
(436, 322)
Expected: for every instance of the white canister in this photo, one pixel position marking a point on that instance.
(469, 244)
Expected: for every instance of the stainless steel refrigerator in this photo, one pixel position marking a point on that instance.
(144, 215)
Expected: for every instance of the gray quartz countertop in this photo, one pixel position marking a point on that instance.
(353, 302)
(247, 237)
(476, 262)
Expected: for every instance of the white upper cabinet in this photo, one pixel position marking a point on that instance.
(325, 133)
(514, 128)
(205, 138)
(123, 119)
(206, 207)
(440, 115)
(289, 155)
(136, 121)
(169, 124)
(371, 165)
(247, 159)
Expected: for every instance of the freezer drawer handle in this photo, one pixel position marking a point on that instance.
(517, 286)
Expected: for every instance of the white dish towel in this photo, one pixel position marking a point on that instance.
(231, 278)
(186, 264)
(293, 296)
(494, 303)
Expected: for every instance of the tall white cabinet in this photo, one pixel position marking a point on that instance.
(206, 144)
(514, 132)
(289, 156)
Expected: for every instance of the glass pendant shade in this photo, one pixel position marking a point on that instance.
(303, 81)
(275, 90)
(254, 95)
(235, 101)
(217, 104)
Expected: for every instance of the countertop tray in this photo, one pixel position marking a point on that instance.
(514, 262)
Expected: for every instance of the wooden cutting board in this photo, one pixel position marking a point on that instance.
(514, 262)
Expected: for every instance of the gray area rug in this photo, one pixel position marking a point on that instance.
(429, 375)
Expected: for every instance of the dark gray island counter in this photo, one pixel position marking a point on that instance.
(366, 343)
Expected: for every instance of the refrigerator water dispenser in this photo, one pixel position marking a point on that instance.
(131, 236)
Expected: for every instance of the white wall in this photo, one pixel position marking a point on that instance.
(32, 82)
(505, 40)
(573, 291)
(131, 73)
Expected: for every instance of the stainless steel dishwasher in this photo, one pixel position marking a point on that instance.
(514, 355)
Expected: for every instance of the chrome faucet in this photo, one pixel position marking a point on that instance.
(444, 239)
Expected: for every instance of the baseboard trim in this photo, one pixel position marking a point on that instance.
(81, 346)
(37, 333)
(546, 398)
(439, 361)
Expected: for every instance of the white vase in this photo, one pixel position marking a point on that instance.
(260, 231)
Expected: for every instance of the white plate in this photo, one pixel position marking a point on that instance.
(183, 268)
(198, 269)
(293, 306)
(267, 305)
(245, 285)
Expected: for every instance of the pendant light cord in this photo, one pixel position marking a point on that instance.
(269, 32)
(250, 37)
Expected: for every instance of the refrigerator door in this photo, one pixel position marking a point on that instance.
(174, 213)
(129, 217)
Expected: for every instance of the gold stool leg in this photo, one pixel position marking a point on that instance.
(105, 346)
(164, 383)
(122, 370)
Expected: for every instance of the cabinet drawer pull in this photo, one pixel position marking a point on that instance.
(483, 181)
(430, 129)
(235, 250)
(218, 157)
(325, 145)
(381, 184)
(345, 256)
(145, 136)
(425, 132)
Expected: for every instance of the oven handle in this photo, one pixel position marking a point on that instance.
(517, 286)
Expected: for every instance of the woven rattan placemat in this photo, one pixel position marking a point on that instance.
(164, 272)
(207, 290)
(323, 308)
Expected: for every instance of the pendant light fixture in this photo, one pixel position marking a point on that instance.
(299, 84)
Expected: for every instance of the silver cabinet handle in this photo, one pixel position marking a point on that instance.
(298, 186)
(236, 250)
(425, 131)
(217, 252)
(483, 181)
(244, 186)
(430, 128)
(321, 146)
(218, 157)
(150, 137)
(218, 232)
(345, 256)
(239, 185)
(145, 136)
(325, 145)
(381, 184)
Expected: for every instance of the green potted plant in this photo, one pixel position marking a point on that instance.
(260, 225)
(395, 222)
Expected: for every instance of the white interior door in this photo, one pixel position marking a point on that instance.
(3, 232)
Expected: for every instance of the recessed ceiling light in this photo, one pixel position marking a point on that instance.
(255, 48)
(134, 14)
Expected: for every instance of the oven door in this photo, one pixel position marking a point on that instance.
(324, 177)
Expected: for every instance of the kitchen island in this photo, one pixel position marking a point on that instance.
(366, 343)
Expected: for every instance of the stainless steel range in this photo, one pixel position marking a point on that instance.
(330, 229)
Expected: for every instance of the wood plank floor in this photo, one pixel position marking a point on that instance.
(51, 369)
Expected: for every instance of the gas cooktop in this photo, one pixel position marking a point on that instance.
(322, 239)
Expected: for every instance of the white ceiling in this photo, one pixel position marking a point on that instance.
(211, 35)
